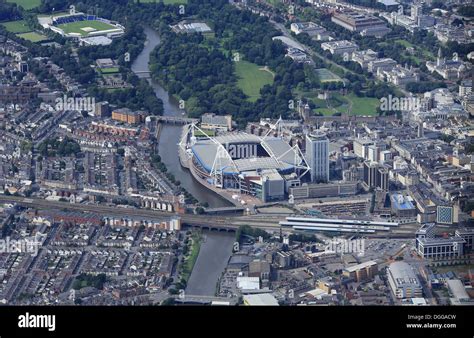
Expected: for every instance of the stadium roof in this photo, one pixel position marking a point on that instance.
(249, 164)
(237, 138)
(205, 152)
(281, 155)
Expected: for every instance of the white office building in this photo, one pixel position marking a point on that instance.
(317, 155)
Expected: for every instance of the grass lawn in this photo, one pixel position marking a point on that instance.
(363, 105)
(33, 37)
(112, 70)
(341, 103)
(251, 78)
(204, 133)
(404, 43)
(420, 50)
(166, 2)
(76, 27)
(26, 4)
(19, 26)
(325, 111)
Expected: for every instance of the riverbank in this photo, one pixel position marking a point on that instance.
(170, 135)
(190, 260)
(185, 162)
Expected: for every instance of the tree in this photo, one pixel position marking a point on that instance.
(467, 10)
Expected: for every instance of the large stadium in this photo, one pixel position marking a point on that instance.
(258, 166)
(80, 25)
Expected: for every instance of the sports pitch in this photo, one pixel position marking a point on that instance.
(26, 4)
(33, 37)
(84, 28)
(20, 26)
(326, 75)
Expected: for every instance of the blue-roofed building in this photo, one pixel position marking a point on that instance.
(402, 206)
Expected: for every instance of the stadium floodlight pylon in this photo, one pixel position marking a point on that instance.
(221, 162)
(222, 156)
(303, 165)
(184, 140)
(300, 163)
(217, 172)
(277, 126)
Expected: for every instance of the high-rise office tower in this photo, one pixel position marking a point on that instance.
(317, 155)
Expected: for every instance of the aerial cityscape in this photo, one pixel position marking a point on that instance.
(236, 152)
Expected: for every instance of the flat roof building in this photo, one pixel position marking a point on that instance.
(191, 27)
(363, 57)
(399, 75)
(96, 41)
(402, 206)
(439, 248)
(127, 116)
(403, 281)
(383, 64)
(366, 25)
(362, 271)
(265, 299)
(340, 47)
(457, 289)
(248, 283)
(213, 121)
(309, 28)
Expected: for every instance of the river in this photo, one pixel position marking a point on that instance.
(216, 247)
(214, 254)
(170, 134)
